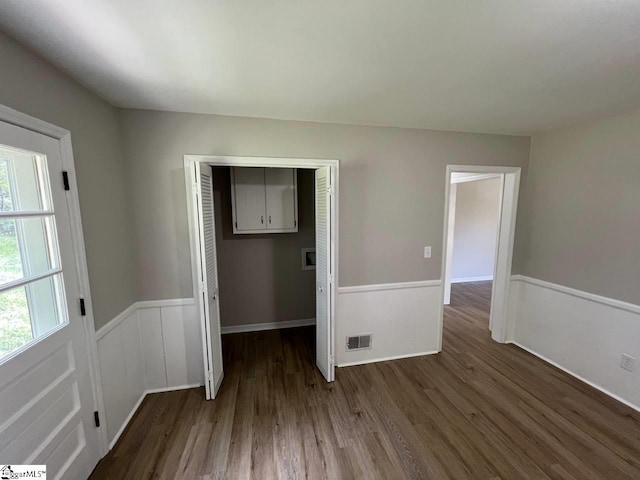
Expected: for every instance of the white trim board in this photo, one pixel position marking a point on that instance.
(472, 279)
(387, 359)
(260, 327)
(610, 302)
(575, 375)
(388, 286)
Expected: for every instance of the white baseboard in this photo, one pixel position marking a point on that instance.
(472, 279)
(135, 408)
(259, 327)
(386, 359)
(579, 377)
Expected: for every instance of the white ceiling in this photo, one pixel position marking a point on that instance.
(509, 66)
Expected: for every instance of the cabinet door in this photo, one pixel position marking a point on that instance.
(249, 198)
(282, 212)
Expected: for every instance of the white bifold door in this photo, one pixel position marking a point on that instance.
(324, 272)
(47, 399)
(208, 277)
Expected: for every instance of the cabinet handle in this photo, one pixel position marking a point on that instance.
(261, 218)
(269, 219)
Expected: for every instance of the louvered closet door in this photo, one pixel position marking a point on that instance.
(209, 271)
(323, 250)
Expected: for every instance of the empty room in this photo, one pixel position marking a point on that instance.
(286, 240)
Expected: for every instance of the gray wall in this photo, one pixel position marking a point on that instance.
(32, 86)
(476, 228)
(260, 276)
(583, 208)
(391, 188)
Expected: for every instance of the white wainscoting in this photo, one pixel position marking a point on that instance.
(580, 333)
(150, 347)
(402, 318)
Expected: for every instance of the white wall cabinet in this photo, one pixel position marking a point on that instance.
(264, 200)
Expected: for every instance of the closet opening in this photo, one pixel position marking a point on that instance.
(263, 245)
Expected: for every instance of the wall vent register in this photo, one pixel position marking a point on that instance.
(359, 342)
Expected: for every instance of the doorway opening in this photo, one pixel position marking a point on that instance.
(479, 227)
(240, 205)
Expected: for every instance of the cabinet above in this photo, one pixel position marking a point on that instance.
(264, 200)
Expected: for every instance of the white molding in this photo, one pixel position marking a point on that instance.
(282, 162)
(386, 359)
(472, 279)
(135, 408)
(173, 389)
(463, 177)
(575, 375)
(607, 301)
(113, 323)
(259, 327)
(19, 119)
(172, 302)
(388, 286)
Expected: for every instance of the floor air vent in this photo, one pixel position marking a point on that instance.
(360, 342)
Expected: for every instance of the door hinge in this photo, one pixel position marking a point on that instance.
(210, 375)
(65, 180)
(96, 418)
(83, 308)
(331, 278)
(295, 223)
(331, 359)
(330, 189)
(202, 288)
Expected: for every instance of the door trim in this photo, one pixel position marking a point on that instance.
(504, 244)
(14, 117)
(277, 162)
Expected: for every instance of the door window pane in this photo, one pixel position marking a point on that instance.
(23, 181)
(32, 300)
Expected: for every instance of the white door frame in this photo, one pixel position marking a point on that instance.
(13, 117)
(498, 321)
(274, 162)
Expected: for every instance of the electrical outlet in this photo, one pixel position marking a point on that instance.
(427, 252)
(626, 362)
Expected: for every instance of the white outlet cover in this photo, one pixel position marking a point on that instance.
(427, 252)
(626, 362)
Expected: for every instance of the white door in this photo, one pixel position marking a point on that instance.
(249, 198)
(46, 394)
(324, 194)
(210, 311)
(281, 198)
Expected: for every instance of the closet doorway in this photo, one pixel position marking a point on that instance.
(253, 213)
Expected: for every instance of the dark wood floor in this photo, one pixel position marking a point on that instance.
(478, 410)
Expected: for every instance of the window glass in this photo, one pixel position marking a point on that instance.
(31, 282)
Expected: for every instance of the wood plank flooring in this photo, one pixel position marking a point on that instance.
(478, 410)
